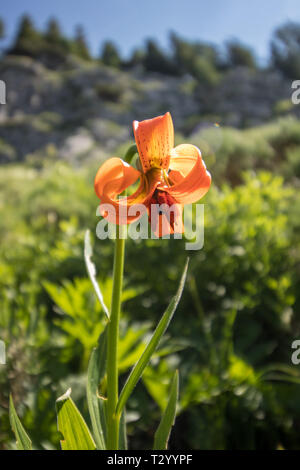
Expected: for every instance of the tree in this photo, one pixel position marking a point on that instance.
(156, 60)
(56, 46)
(110, 55)
(285, 49)
(80, 45)
(137, 58)
(2, 29)
(53, 31)
(239, 55)
(198, 59)
(28, 40)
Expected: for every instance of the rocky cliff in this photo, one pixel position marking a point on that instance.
(86, 110)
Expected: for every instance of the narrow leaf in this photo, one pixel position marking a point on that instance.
(164, 429)
(76, 435)
(23, 441)
(138, 369)
(91, 269)
(96, 372)
(122, 432)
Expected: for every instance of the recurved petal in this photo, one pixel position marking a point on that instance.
(188, 174)
(112, 178)
(154, 139)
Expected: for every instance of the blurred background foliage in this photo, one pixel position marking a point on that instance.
(231, 336)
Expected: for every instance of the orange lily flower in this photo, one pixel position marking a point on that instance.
(169, 178)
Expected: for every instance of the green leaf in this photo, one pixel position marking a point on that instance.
(76, 435)
(91, 269)
(131, 346)
(164, 429)
(23, 441)
(96, 372)
(138, 369)
(122, 432)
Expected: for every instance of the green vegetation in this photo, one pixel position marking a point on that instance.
(80, 46)
(207, 63)
(285, 49)
(239, 313)
(110, 55)
(240, 56)
(51, 46)
(232, 334)
(2, 29)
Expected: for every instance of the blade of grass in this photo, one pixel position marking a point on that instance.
(122, 432)
(138, 369)
(164, 429)
(96, 372)
(23, 441)
(91, 269)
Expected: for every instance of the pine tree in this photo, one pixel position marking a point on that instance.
(137, 58)
(285, 50)
(53, 31)
(193, 57)
(157, 61)
(110, 55)
(80, 46)
(28, 40)
(240, 55)
(2, 29)
(55, 41)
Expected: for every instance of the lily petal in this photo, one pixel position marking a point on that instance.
(188, 173)
(112, 178)
(154, 139)
(164, 224)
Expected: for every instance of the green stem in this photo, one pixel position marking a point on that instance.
(112, 344)
(130, 153)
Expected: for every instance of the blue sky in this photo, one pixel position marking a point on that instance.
(129, 22)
